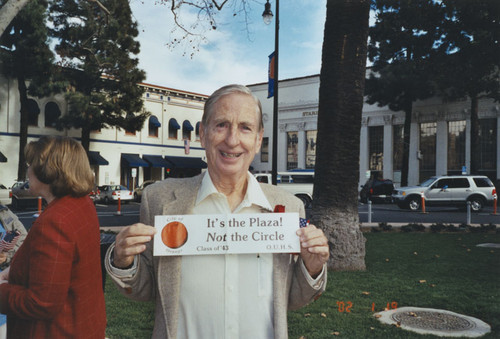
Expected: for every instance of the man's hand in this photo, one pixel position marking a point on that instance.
(313, 249)
(131, 241)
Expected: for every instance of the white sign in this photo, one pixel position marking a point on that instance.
(226, 234)
(134, 172)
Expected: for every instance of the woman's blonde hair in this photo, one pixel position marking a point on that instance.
(61, 163)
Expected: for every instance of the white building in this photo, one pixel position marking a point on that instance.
(168, 143)
(439, 136)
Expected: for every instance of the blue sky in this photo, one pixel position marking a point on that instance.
(231, 54)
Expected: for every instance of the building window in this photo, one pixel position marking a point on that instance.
(173, 127)
(197, 131)
(488, 149)
(427, 153)
(292, 150)
(187, 128)
(311, 149)
(33, 112)
(52, 114)
(264, 150)
(398, 147)
(456, 146)
(153, 126)
(376, 150)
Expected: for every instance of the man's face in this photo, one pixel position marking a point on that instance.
(232, 137)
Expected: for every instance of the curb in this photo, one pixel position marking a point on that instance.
(369, 226)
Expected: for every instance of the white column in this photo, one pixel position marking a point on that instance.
(301, 163)
(363, 151)
(388, 147)
(282, 148)
(441, 148)
(467, 143)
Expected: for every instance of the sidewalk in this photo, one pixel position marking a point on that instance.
(367, 227)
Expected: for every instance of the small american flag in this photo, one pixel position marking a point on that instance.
(9, 241)
(303, 222)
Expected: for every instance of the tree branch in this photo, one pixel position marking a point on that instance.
(219, 7)
(101, 6)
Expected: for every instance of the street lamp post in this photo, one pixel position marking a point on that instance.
(268, 16)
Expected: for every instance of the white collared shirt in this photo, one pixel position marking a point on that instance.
(227, 296)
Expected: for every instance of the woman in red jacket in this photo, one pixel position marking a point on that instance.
(54, 287)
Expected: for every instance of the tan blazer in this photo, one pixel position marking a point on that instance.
(158, 278)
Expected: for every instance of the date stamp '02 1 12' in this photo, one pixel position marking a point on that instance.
(347, 306)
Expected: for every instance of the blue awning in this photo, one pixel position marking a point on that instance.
(186, 162)
(186, 125)
(156, 160)
(173, 124)
(133, 160)
(3, 158)
(153, 120)
(96, 159)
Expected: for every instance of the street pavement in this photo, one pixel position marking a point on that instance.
(129, 214)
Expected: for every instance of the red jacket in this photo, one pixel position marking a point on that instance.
(55, 285)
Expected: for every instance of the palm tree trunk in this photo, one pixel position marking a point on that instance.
(342, 78)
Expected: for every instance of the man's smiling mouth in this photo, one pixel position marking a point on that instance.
(230, 155)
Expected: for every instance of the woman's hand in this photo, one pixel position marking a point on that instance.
(4, 276)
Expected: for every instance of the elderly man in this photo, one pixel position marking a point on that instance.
(220, 296)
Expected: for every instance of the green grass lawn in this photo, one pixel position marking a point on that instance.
(444, 271)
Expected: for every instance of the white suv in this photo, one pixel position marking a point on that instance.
(447, 191)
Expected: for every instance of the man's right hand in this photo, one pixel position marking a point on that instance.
(131, 241)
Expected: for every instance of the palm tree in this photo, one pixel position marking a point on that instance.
(342, 78)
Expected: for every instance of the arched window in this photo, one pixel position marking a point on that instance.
(52, 113)
(197, 130)
(33, 112)
(187, 128)
(173, 126)
(153, 126)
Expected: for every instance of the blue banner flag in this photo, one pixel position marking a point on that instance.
(270, 84)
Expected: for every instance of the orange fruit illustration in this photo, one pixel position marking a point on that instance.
(174, 234)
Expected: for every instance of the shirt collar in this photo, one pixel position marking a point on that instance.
(253, 196)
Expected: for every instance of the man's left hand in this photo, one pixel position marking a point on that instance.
(313, 249)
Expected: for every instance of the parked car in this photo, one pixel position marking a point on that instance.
(95, 194)
(376, 190)
(448, 191)
(22, 197)
(138, 191)
(111, 193)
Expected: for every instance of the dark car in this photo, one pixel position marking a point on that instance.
(376, 190)
(22, 197)
(138, 191)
